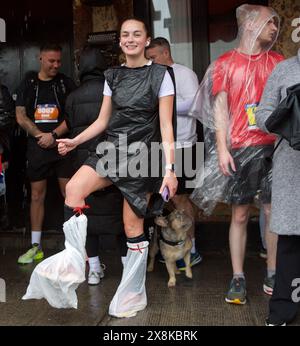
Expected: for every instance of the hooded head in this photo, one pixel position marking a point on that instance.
(92, 62)
(258, 28)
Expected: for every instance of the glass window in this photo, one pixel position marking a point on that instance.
(171, 19)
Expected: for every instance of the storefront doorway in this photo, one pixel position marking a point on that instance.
(198, 31)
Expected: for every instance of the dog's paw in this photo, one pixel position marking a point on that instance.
(189, 276)
(171, 283)
(189, 273)
(150, 268)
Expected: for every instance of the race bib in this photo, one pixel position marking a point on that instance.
(250, 111)
(47, 113)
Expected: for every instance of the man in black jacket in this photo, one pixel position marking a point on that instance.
(82, 109)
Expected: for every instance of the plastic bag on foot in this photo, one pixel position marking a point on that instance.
(131, 293)
(57, 277)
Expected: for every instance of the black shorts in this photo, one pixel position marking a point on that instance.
(62, 168)
(185, 163)
(252, 177)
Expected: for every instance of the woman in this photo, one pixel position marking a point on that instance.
(138, 102)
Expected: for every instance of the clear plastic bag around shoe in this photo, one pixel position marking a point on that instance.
(131, 294)
(57, 277)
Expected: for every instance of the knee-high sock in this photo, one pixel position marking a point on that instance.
(68, 212)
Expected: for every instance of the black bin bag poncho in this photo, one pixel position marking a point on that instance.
(226, 102)
(132, 161)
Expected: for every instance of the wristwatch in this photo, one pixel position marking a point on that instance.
(170, 167)
(54, 135)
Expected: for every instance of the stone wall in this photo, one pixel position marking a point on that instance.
(83, 24)
(87, 19)
(108, 18)
(289, 11)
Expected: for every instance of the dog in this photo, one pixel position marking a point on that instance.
(174, 243)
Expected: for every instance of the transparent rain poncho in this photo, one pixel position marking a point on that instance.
(226, 102)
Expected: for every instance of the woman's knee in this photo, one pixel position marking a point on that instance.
(133, 227)
(74, 190)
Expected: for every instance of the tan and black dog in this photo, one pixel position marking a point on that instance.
(174, 243)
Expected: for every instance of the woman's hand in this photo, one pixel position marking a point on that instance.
(65, 145)
(171, 182)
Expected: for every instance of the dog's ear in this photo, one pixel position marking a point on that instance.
(161, 221)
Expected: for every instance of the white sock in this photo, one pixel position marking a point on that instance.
(94, 263)
(193, 249)
(36, 237)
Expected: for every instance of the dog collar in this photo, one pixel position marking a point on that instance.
(172, 243)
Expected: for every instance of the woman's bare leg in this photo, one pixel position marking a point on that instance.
(131, 294)
(134, 225)
(85, 181)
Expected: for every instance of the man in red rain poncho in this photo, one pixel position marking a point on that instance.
(226, 103)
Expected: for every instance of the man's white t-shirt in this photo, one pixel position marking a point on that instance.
(186, 87)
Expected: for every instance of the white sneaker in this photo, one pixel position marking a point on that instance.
(94, 278)
(102, 268)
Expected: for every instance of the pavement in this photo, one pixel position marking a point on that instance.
(196, 302)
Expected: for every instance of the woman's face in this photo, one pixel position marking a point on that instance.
(133, 38)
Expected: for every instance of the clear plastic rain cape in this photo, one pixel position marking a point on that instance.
(226, 102)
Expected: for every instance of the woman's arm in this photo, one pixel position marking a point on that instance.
(167, 134)
(96, 128)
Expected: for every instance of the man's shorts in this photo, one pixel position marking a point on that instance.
(185, 164)
(253, 177)
(62, 168)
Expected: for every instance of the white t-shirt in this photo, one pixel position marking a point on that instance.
(166, 88)
(186, 87)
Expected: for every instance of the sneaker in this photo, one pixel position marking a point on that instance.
(94, 278)
(33, 254)
(195, 259)
(263, 253)
(269, 324)
(269, 285)
(237, 292)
